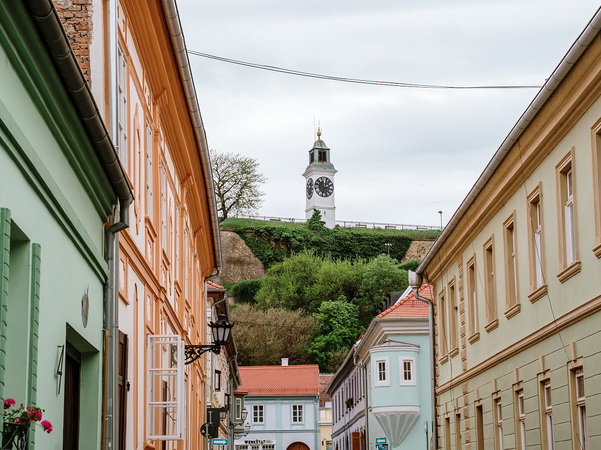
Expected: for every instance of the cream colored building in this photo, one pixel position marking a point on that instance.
(517, 282)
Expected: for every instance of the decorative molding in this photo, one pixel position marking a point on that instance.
(515, 309)
(570, 318)
(538, 293)
(491, 325)
(569, 271)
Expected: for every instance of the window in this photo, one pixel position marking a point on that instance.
(149, 174)
(217, 381)
(447, 432)
(479, 426)
(453, 312)
(498, 421)
(442, 327)
(258, 414)
(166, 395)
(490, 287)
(122, 115)
(458, 431)
(568, 238)
(472, 301)
(512, 303)
(381, 375)
(538, 286)
(578, 406)
(238, 411)
(520, 417)
(407, 371)
(546, 411)
(297, 414)
(597, 186)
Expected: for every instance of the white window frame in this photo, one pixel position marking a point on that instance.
(413, 371)
(581, 408)
(548, 414)
(521, 419)
(570, 237)
(297, 413)
(377, 362)
(238, 409)
(162, 365)
(258, 412)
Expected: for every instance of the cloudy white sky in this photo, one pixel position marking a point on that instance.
(401, 154)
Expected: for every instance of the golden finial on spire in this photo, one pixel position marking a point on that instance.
(319, 132)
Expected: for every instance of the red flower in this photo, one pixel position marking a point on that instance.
(8, 402)
(34, 414)
(47, 426)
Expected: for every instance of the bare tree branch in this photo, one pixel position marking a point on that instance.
(237, 183)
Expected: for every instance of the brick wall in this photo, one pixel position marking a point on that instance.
(76, 16)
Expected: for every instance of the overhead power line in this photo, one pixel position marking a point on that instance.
(354, 80)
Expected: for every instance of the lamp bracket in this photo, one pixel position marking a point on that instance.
(193, 352)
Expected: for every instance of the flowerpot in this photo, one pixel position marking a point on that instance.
(14, 437)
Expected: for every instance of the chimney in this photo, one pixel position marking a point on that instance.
(284, 361)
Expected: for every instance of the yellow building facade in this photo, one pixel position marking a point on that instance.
(516, 277)
(133, 55)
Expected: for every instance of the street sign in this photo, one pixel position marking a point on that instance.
(219, 441)
(380, 440)
(381, 446)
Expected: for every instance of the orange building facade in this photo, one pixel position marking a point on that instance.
(133, 55)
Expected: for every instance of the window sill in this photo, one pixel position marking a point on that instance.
(473, 338)
(597, 251)
(513, 310)
(538, 293)
(491, 325)
(569, 271)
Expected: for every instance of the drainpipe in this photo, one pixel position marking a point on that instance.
(415, 281)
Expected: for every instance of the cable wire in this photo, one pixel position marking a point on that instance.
(357, 80)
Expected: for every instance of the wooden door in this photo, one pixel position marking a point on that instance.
(298, 446)
(72, 396)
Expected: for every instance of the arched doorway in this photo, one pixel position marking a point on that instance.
(298, 446)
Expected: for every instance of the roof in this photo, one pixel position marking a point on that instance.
(212, 285)
(324, 380)
(409, 307)
(280, 380)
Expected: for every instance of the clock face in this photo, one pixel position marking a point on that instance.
(309, 188)
(324, 186)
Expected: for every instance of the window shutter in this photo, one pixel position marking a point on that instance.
(4, 260)
(165, 385)
(122, 388)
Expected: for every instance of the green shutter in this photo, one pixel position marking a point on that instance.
(4, 264)
(34, 325)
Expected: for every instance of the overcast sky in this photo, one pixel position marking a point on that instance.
(401, 154)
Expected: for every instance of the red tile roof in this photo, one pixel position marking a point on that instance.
(280, 380)
(214, 285)
(409, 307)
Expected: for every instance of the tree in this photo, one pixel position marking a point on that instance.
(237, 183)
(286, 284)
(382, 275)
(264, 337)
(340, 327)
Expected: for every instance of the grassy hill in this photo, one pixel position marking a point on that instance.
(272, 241)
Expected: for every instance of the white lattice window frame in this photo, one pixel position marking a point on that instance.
(166, 362)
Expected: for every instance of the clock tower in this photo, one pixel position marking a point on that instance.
(319, 177)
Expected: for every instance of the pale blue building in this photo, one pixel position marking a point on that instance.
(283, 407)
(382, 392)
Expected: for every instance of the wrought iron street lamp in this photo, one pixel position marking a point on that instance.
(220, 332)
(233, 425)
